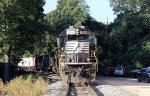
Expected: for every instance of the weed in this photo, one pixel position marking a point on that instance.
(29, 86)
(1, 87)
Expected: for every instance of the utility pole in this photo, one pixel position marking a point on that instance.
(107, 27)
(107, 21)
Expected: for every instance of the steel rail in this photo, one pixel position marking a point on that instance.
(67, 90)
(89, 88)
(93, 90)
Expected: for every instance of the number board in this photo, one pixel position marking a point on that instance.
(83, 32)
(70, 32)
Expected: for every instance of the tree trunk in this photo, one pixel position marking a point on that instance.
(7, 62)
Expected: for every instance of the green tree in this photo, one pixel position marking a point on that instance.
(130, 32)
(67, 13)
(120, 6)
(21, 25)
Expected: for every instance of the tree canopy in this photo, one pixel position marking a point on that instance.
(130, 33)
(67, 13)
(20, 25)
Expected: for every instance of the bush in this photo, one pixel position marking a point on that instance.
(29, 86)
(40, 86)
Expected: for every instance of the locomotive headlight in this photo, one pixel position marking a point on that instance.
(88, 59)
(77, 30)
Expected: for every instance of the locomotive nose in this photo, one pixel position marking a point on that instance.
(78, 53)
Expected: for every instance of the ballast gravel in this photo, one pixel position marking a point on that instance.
(55, 86)
(54, 89)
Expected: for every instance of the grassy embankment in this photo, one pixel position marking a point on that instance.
(24, 86)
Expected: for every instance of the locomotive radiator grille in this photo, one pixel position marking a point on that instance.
(77, 47)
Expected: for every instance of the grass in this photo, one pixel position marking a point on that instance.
(25, 86)
(1, 87)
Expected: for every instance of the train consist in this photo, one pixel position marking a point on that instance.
(75, 59)
(37, 63)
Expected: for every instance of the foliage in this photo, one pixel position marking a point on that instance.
(67, 13)
(129, 34)
(73, 11)
(121, 6)
(21, 25)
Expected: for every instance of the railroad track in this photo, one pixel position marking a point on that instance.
(83, 90)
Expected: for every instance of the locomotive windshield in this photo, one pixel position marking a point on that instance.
(78, 37)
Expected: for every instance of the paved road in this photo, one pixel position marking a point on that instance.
(128, 84)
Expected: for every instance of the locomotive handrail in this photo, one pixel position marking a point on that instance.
(96, 60)
(61, 56)
(93, 54)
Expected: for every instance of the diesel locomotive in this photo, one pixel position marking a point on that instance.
(76, 59)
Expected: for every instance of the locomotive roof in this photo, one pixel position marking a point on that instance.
(73, 28)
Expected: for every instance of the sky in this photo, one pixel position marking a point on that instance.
(100, 10)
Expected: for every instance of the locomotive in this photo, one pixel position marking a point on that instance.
(75, 58)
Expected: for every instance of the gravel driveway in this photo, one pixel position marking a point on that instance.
(119, 86)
